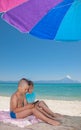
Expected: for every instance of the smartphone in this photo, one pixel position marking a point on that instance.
(35, 102)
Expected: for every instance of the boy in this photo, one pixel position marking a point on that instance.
(19, 108)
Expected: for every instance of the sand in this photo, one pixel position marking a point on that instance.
(71, 120)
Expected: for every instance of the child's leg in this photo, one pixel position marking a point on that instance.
(44, 118)
(43, 105)
(38, 114)
(24, 113)
(45, 108)
(44, 112)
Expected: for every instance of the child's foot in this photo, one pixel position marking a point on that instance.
(55, 123)
(56, 115)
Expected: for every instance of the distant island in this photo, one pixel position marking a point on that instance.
(67, 79)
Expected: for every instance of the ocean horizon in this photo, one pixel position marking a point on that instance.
(50, 91)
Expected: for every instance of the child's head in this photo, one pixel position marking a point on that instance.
(23, 86)
(30, 86)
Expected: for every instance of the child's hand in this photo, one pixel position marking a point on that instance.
(30, 105)
(36, 103)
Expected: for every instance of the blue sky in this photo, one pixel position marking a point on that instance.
(22, 55)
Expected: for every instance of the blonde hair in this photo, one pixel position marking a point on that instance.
(23, 82)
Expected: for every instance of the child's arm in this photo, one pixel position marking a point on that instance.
(25, 101)
(14, 105)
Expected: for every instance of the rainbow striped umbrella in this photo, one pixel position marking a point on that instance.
(48, 19)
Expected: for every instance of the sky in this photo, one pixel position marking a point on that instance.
(22, 55)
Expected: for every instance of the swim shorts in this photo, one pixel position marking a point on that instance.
(12, 114)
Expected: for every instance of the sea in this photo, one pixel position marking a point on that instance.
(50, 91)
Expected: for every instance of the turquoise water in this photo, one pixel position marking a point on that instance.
(47, 91)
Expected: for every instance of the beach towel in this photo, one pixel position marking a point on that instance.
(5, 5)
(25, 16)
(5, 118)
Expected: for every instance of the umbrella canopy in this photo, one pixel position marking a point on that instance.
(48, 19)
(27, 15)
(5, 5)
(61, 23)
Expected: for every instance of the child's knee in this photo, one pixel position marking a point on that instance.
(33, 109)
(41, 103)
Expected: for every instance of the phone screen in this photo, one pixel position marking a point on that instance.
(36, 102)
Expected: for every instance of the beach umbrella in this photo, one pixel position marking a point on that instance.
(27, 15)
(6, 5)
(48, 19)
